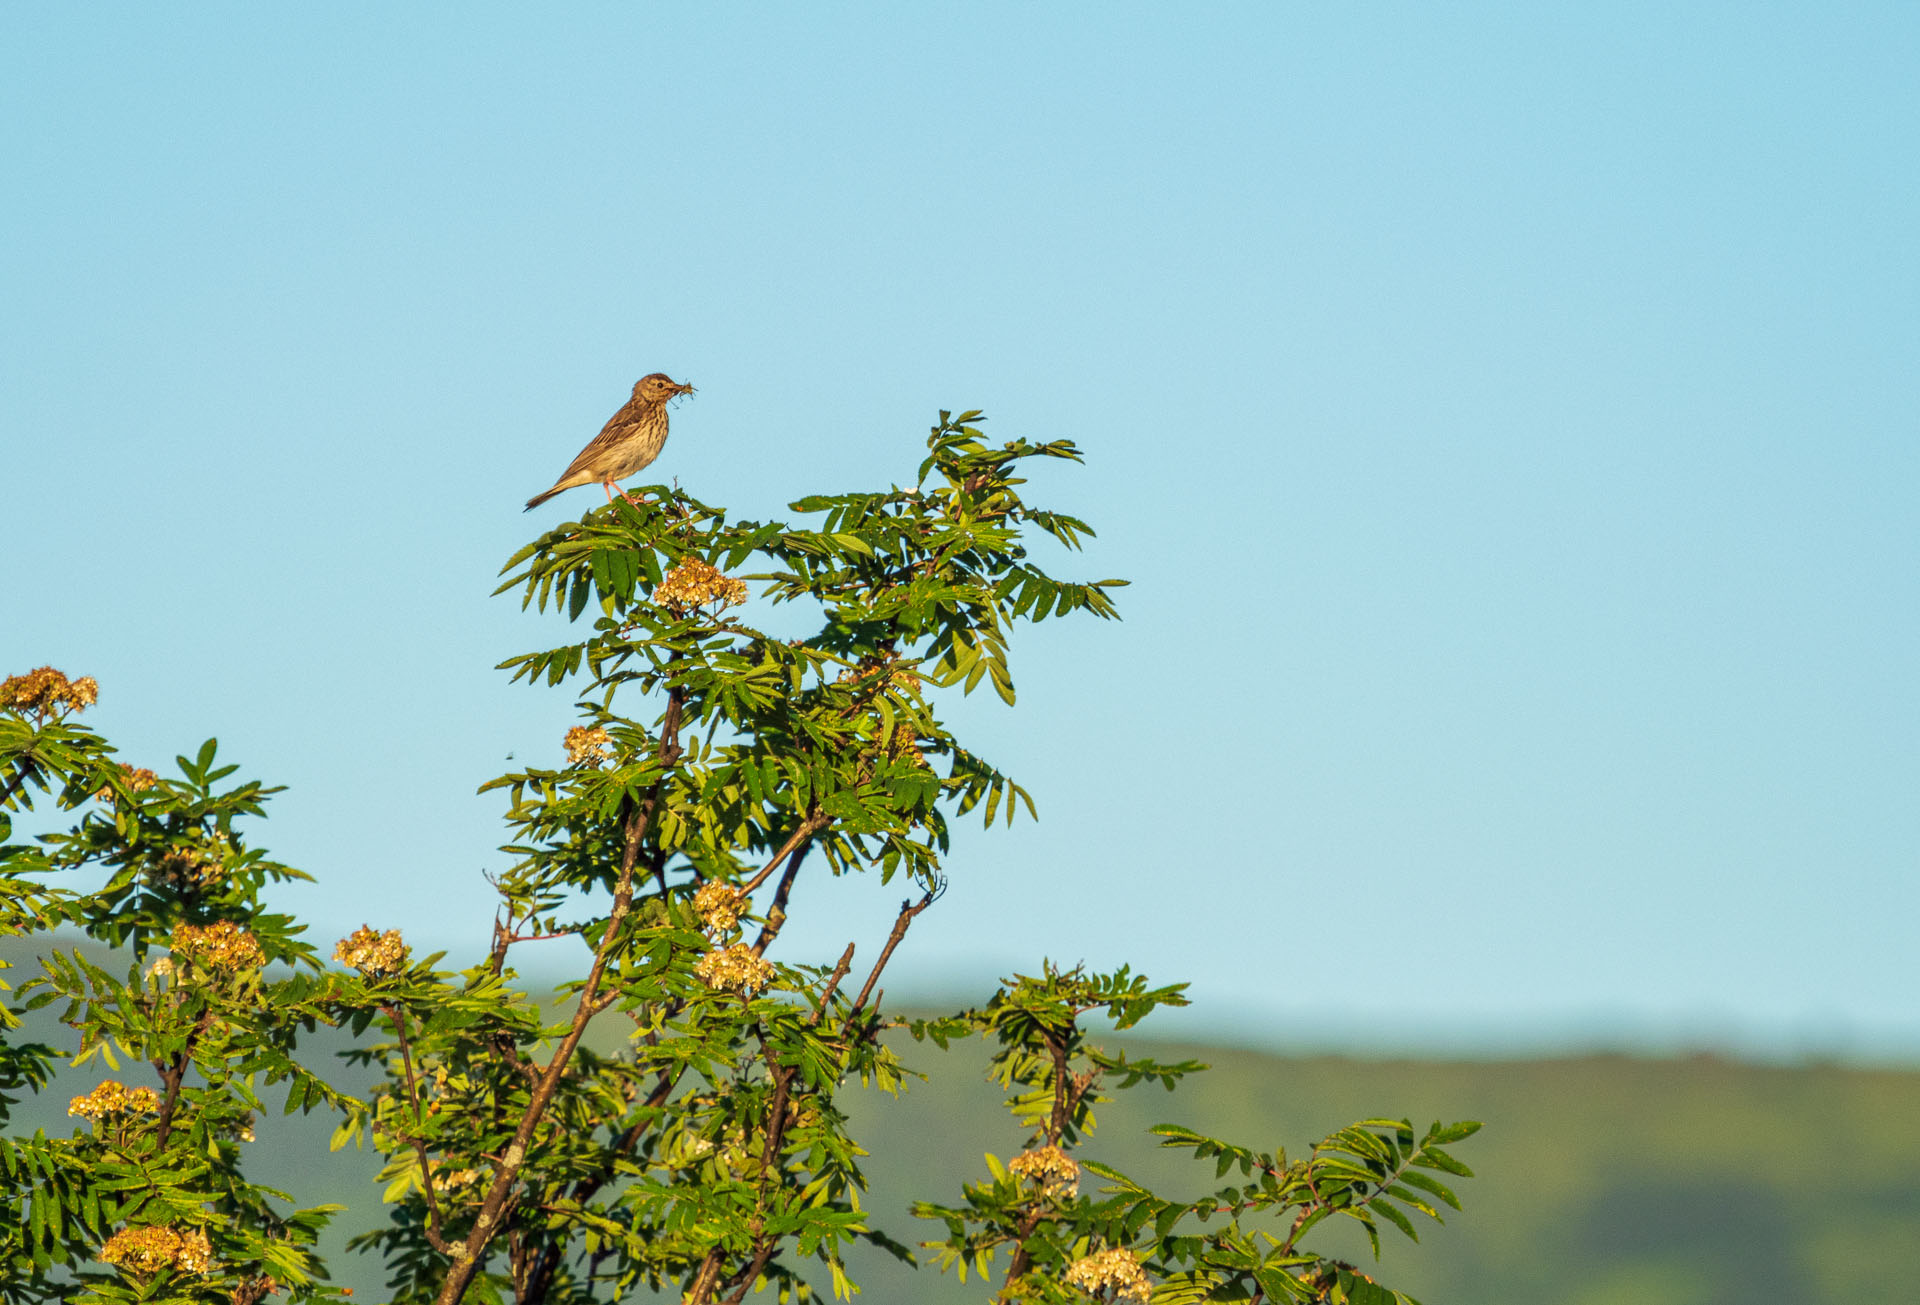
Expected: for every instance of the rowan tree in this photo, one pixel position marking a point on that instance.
(712, 765)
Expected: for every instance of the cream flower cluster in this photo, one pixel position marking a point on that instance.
(736, 969)
(146, 1251)
(719, 905)
(1051, 1168)
(373, 954)
(221, 946)
(587, 745)
(694, 583)
(112, 1098)
(44, 691)
(1115, 1267)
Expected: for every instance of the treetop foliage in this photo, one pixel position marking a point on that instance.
(709, 1156)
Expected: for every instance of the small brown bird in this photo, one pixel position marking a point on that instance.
(630, 440)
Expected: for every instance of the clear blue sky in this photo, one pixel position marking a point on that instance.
(1506, 414)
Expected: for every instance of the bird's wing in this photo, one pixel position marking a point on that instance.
(610, 435)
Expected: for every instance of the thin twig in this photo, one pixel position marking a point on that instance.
(736, 1286)
(438, 1242)
(907, 911)
(503, 1046)
(833, 982)
(777, 912)
(806, 829)
(28, 768)
(502, 939)
(542, 937)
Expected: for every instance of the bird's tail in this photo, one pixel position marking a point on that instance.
(538, 499)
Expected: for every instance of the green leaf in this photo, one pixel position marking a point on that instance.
(1434, 1158)
(1432, 1186)
(1186, 1288)
(1396, 1218)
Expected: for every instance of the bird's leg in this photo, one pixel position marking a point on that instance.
(608, 485)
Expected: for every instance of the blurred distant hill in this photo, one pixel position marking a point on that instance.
(1604, 1180)
(1600, 1181)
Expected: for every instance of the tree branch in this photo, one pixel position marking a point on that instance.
(742, 1280)
(1062, 1103)
(28, 769)
(833, 983)
(502, 939)
(434, 1237)
(777, 913)
(701, 1290)
(173, 1076)
(806, 829)
(907, 911)
(539, 1279)
(1067, 1091)
(736, 1286)
(467, 1255)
